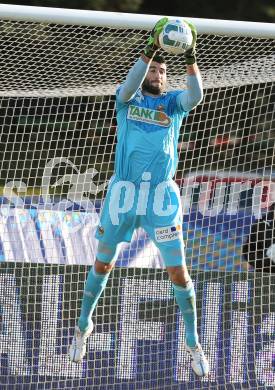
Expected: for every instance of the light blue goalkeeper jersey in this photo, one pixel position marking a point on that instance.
(148, 132)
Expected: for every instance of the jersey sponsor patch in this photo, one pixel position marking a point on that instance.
(168, 233)
(148, 115)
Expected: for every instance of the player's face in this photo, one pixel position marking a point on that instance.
(155, 81)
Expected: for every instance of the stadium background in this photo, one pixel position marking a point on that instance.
(39, 303)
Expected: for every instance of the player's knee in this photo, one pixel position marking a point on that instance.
(106, 257)
(179, 275)
(103, 268)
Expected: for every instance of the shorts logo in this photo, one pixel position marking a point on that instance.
(100, 230)
(168, 233)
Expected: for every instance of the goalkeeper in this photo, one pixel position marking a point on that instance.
(142, 192)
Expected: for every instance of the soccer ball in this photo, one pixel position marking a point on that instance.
(175, 37)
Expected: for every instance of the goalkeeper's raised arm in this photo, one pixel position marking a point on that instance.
(138, 72)
(194, 93)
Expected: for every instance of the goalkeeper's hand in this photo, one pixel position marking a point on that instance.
(152, 44)
(190, 54)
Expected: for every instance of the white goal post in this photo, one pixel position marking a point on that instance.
(59, 69)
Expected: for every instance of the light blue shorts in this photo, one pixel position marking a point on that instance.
(155, 209)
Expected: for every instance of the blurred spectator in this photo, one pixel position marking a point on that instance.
(186, 145)
(259, 249)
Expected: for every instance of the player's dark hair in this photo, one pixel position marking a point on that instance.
(159, 59)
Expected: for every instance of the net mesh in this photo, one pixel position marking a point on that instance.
(54, 60)
(57, 145)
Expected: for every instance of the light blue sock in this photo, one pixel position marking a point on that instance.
(186, 299)
(94, 286)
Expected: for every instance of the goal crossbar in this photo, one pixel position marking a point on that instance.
(131, 21)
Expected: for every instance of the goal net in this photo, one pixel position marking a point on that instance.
(59, 72)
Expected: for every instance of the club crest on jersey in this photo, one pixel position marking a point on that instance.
(160, 107)
(148, 115)
(168, 233)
